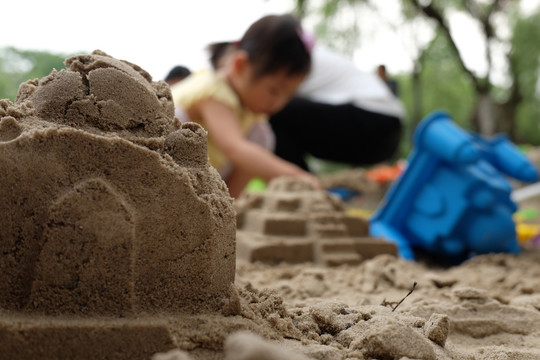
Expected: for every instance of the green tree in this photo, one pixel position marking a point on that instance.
(491, 113)
(17, 66)
(526, 62)
(443, 86)
(342, 32)
(494, 107)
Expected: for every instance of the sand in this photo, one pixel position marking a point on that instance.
(294, 223)
(109, 209)
(118, 242)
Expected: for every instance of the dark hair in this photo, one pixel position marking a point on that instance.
(177, 72)
(272, 43)
(218, 51)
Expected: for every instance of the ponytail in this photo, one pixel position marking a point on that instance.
(218, 51)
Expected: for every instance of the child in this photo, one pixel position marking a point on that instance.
(252, 78)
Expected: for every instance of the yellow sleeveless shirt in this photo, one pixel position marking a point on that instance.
(208, 85)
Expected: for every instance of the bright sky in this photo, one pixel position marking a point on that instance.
(155, 35)
(159, 34)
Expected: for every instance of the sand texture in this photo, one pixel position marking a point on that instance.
(118, 242)
(293, 222)
(109, 206)
(485, 309)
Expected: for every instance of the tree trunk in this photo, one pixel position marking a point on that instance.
(416, 95)
(506, 116)
(483, 119)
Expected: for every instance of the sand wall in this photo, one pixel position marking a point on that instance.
(110, 206)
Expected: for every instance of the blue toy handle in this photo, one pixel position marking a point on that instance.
(439, 135)
(511, 161)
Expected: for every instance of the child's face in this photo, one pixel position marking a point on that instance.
(267, 93)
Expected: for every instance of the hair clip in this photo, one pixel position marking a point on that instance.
(308, 39)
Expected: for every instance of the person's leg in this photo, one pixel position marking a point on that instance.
(357, 136)
(342, 133)
(289, 127)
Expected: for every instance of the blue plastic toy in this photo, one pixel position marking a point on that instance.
(344, 193)
(453, 199)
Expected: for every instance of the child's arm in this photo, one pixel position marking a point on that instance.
(245, 155)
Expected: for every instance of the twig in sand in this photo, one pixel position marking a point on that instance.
(388, 303)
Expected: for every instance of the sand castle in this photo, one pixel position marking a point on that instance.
(293, 222)
(110, 213)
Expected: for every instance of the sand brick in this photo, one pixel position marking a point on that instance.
(290, 210)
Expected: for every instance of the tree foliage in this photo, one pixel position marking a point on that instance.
(442, 79)
(444, 85)
(17, 66)
(526, 59)
(342, 33)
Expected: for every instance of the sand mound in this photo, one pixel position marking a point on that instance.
(99, 92)
(110, 207)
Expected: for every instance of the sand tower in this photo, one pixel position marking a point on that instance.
(293, 222)
(110, 210)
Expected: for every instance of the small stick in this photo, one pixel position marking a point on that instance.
(410, 292)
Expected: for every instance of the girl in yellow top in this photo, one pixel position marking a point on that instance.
(252, 78)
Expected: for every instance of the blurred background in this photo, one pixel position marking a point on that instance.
(477, 59)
